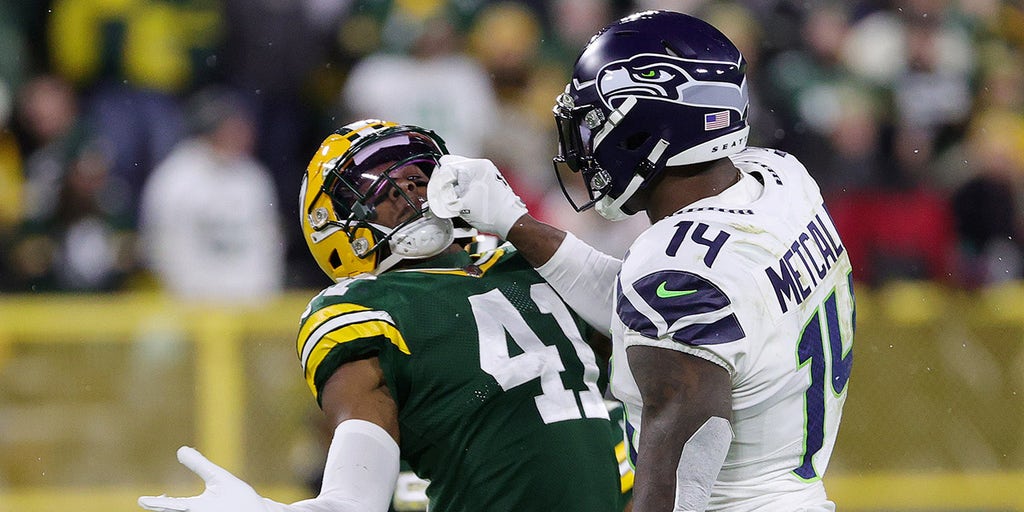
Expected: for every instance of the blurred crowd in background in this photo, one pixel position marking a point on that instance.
(158, 144)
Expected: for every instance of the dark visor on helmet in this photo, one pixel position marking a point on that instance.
(371, 169)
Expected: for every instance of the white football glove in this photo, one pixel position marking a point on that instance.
(224, 491)
(474, 189)
(359, 476)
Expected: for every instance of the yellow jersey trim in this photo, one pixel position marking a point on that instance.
(625, 471)
(337, 324)
(481, 266)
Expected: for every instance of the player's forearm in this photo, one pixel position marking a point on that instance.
(660, 449)
(535, 240)
(651, 492)
(680, 480)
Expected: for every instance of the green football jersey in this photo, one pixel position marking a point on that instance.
(497, 392)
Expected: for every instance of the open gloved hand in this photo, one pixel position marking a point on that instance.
(474, 189)
(224, 491)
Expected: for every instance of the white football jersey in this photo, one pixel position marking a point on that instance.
(757, 281)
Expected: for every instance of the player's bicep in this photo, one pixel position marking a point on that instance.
(358, 390)
(679, 385)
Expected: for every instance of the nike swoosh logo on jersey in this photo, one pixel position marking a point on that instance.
(668, 294)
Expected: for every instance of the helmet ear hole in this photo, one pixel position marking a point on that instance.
(334, 259)
(635, 141)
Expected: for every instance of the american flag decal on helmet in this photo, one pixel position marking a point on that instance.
(716, 120)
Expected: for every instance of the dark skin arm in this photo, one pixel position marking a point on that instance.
(535, 240)
(357, 390)
(680, 392)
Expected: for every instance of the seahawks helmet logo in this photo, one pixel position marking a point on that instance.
(666, 78)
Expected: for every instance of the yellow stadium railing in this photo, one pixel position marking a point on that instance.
(218, 336)
(935, 418)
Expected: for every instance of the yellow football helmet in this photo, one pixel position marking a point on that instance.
(342, 186)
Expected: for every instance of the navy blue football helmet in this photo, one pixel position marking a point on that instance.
(655, 89)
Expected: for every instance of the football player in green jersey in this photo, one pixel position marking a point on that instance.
(468, 367)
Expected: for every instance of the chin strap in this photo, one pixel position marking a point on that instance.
(386, 263)
(611, 209)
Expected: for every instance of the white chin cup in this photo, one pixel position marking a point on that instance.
(424, 237)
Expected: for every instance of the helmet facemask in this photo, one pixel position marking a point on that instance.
(580, 131)
(576, 128)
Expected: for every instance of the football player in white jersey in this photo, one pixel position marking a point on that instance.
(732, 316)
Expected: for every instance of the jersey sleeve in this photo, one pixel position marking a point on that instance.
(335, 333)
(679, 304)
